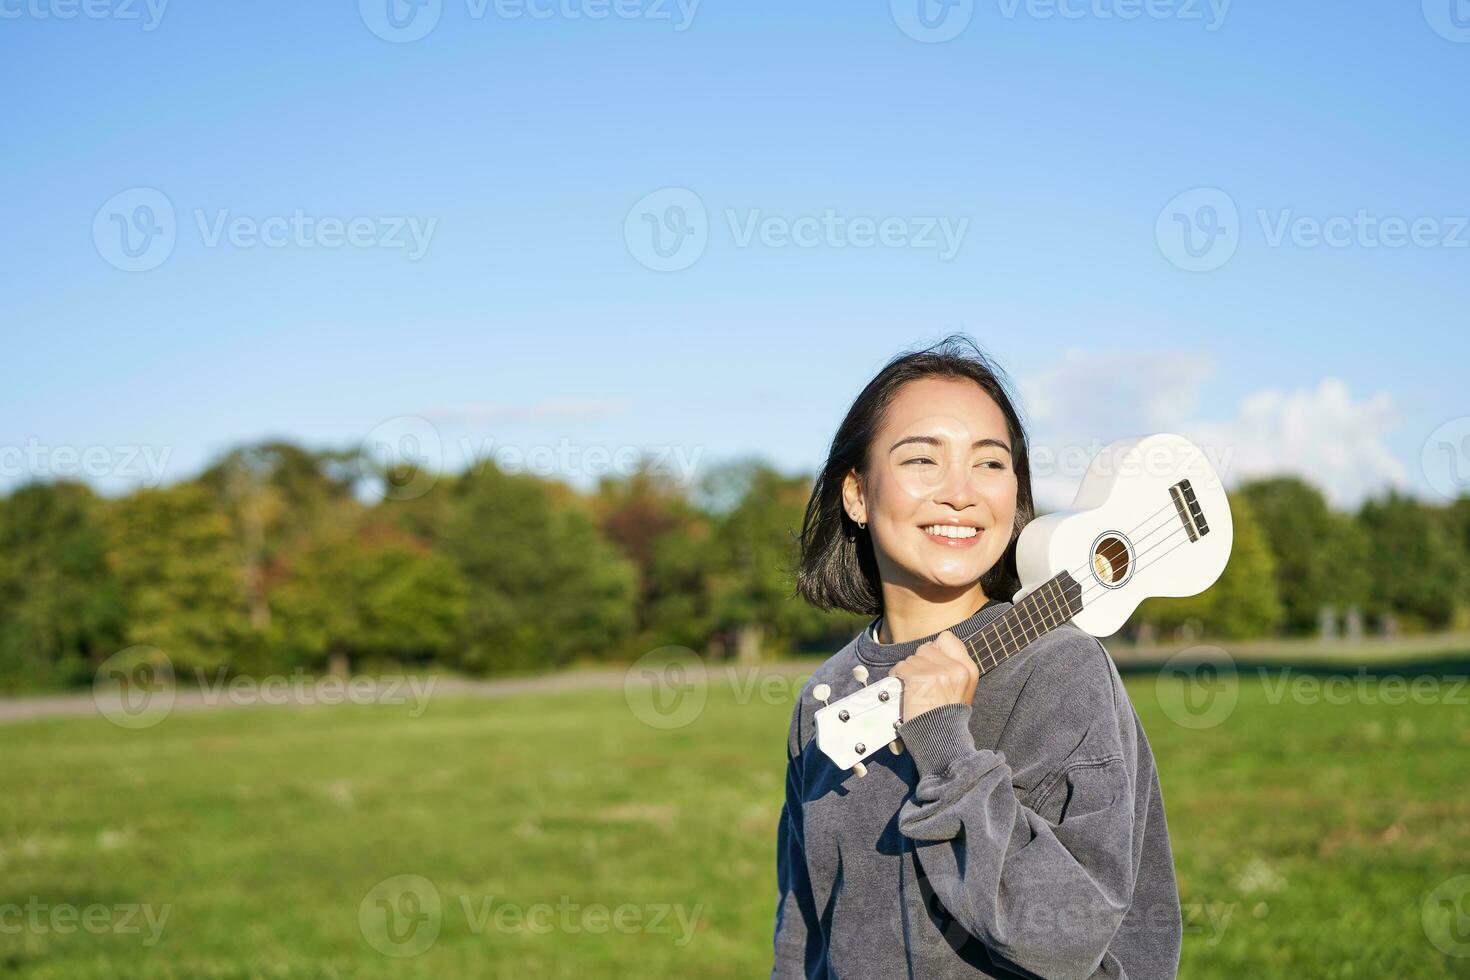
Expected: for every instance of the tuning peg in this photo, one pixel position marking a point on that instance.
(860, 674)
(860, 769)
(822, 692)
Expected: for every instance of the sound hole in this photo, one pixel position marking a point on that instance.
(1110, 560)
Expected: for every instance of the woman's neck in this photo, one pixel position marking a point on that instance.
(909, 616)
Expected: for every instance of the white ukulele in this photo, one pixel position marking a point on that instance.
(1150, 519)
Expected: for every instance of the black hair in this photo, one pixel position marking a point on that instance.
(837, 568)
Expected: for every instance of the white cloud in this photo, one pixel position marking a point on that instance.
(1321, 433)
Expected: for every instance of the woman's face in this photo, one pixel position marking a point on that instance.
(939, 496)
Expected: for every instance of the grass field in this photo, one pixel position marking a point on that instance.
(563, 837)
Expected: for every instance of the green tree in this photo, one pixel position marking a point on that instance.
(278, 495)
(1416, 567)
(1318, 553)
(751, 558)
(545, 588)
(174, 554)
(367, 595)
(60, 608)
(655, 526)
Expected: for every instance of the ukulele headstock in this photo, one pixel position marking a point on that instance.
(858, 725)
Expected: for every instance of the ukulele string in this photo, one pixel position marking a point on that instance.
(995, 659)
(994, 626)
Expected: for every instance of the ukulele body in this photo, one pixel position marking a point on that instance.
(1124, 537)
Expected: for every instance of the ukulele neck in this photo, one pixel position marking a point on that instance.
(1040, 611)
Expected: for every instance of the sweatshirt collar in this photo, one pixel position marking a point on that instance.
(870, 651)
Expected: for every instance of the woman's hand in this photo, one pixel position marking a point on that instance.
(940, 672)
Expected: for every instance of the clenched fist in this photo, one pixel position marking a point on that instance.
(939, 672)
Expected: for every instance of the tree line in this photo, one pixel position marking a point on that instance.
(278, 558)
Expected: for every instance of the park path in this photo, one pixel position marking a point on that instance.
(83, 704)
(1379, 650)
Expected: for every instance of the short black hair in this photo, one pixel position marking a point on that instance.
(838, 569)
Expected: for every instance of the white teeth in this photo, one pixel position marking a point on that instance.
(950, 531)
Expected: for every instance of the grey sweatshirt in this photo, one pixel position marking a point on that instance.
(1020, 836)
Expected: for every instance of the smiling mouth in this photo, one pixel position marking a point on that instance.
(952, 534)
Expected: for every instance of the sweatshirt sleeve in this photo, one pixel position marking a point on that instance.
(1047, 894)
(797, 937)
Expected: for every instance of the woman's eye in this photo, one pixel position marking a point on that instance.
(993, 464)
(918, 459)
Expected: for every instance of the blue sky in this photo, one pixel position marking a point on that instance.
(1067, 149)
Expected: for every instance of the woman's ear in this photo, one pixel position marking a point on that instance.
(853, 500)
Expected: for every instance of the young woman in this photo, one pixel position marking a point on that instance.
(1021, 833)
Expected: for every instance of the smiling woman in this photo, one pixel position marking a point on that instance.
(1022, 834)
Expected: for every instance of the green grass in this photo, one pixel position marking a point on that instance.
(1306, 836)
